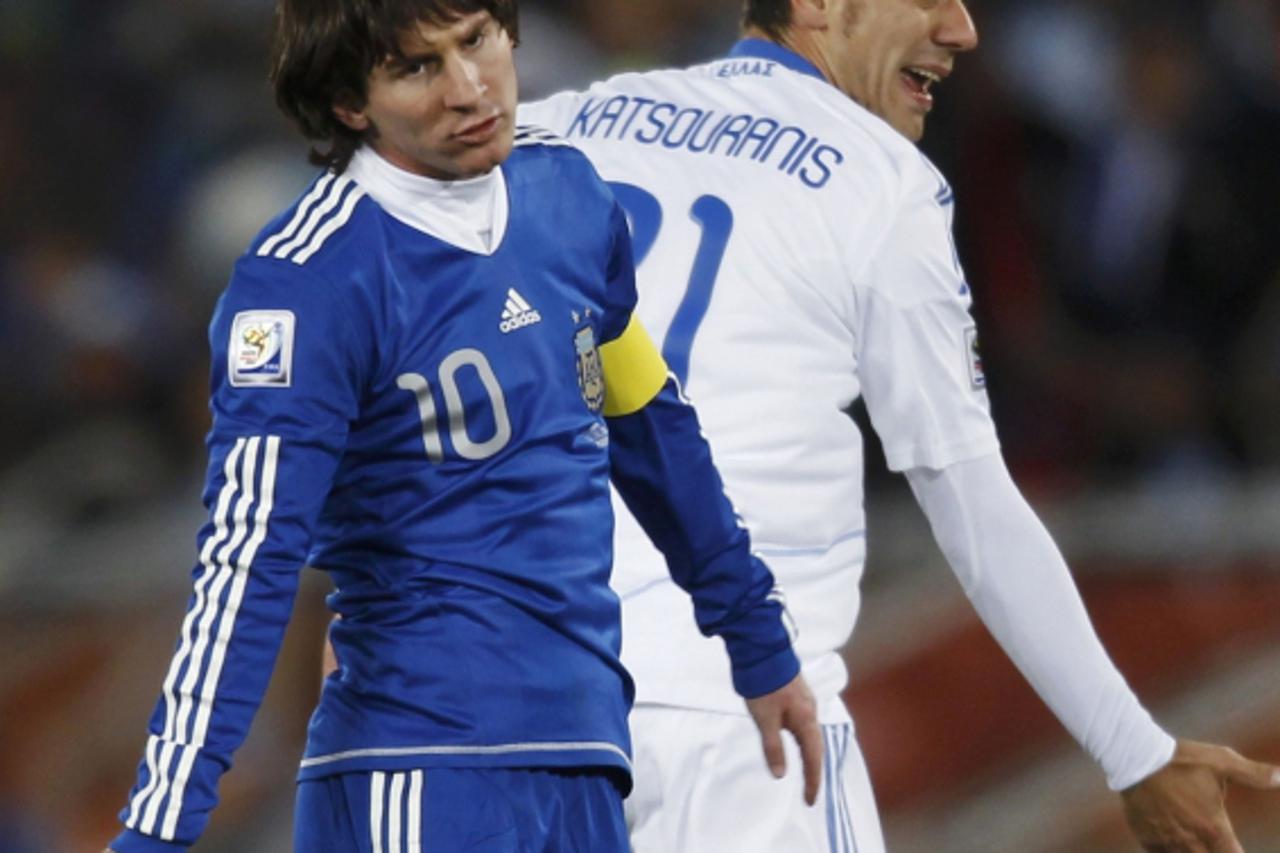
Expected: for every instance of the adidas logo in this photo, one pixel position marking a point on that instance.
(517, 314)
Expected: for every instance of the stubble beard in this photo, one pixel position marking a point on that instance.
(850, 16)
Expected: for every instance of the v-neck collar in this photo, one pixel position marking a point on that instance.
(470, 214)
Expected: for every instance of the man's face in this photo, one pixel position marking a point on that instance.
(446, 109)
(887, 54)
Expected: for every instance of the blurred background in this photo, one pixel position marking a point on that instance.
(1116, 169)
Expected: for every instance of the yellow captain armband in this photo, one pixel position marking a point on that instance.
(634, 371)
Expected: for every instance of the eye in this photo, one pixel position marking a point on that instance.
(416, 68)
(477, 38)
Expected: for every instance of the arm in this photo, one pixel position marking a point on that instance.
(926, 396)
(273, 449)
(243, 591)
(662, 468)
(1021, 587)
(1019, 584)
(925, 391)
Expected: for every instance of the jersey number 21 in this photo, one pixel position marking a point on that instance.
(715, 219)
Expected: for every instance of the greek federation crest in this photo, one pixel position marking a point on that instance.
(590, 373)
(260, 352)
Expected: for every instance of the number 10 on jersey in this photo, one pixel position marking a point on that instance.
(463, 444)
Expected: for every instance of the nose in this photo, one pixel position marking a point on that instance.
(463, 84)
(955, 28)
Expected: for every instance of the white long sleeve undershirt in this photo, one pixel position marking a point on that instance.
(1018, 582)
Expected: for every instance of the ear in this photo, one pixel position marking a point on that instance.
(353, 116)
(810, 14)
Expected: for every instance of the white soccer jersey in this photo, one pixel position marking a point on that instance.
(855, 291)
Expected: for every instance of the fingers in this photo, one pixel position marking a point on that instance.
(771, 740)
(1252, 774)
(801, 719)
(791, 707)
(1233, 767)
(1222, 839)
(1181, 806)
(809, 736)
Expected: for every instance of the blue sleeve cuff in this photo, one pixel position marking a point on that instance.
(767, 675)
(129, 841)
(758, 641)
(663, 469)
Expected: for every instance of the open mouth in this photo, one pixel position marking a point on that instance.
(920, 81)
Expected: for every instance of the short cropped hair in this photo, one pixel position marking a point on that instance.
(323, 52)
(771, 16)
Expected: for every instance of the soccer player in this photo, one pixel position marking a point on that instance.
(795, 253)
(424, 372)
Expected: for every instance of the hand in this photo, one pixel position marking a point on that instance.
(329, 660)
(1181, 807)
(790, 707)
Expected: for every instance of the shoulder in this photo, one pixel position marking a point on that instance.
(870, 147)
(880, 148)
(314, 255)
(879, 163)
(917, 259)
(327, 221)
(541, 156)
(529, 135)
(538, 149)
(928, 180)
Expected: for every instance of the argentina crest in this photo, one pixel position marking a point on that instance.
(590, 373)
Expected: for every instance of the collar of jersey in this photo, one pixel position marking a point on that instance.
(785, 56)
(470, 214)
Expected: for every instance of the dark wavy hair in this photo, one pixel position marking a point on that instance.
(771, 16)
(323, 51)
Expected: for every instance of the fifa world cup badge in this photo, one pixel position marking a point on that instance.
(590, 374)
(260, 352)
(977, 375)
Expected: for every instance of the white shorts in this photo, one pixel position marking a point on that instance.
(701, 784)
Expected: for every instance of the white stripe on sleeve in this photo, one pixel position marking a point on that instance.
(153, 779)
(329, 227)
(303, 207)
(226, 625)
(321, 210)
(414, 830)
(196, 665)
(395, 808)
(377, 785)
(147, 801)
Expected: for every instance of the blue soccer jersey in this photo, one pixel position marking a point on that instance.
(435, 425)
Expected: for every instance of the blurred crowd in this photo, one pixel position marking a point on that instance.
(1117, 186)
(1117, 183)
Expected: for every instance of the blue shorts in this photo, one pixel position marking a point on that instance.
(446, 809)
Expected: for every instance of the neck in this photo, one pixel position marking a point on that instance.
(469, 213)
(801, 41)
